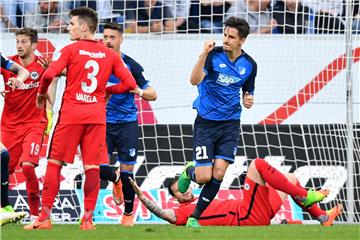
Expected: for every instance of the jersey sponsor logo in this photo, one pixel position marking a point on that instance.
(242, 70)
(34, 75)
(85, 98)
(226, 80)
(92, 54)
(31, 85)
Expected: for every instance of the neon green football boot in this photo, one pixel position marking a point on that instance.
(184, 179)
(193, 223)
(315, 197)
(8, 215)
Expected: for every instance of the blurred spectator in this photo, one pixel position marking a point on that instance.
(50, 16)
(256, 13)
(150, 16)
(180, 10)
(356, 15)
(12, 12)
(327, 17)
(291, 16)
(108, 10)
(212, 14)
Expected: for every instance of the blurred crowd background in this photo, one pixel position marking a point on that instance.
(187, 16)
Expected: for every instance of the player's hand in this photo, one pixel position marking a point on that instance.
(137, 91)
(4, 92)
(248, 100)
(136, 188)
(208, 46)
(49, 115)
(41, 100)
(14, 83)
(44, 62)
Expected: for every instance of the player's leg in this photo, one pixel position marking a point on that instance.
(226, 136)
(94, 153)
(261, 172)
(127, 143)
(31, 145)
(61, 149)
(5, 157)
(326, 218)
(107, 172)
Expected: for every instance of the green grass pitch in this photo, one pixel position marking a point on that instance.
(163, 232)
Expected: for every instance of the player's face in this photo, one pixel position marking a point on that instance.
(113, 39)
(232, 41)
(75, 28)
(182, 197)
(24, 46)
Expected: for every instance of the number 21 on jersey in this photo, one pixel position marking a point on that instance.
(201, 153)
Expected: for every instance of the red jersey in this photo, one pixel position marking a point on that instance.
(218, 213)
(89, 64)
(19, 108)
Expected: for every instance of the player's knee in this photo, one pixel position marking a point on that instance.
(259, 163)
(218, 173)
(28, 170)
(5, 157)
(291, 177)
(105, 172)
(203, 177)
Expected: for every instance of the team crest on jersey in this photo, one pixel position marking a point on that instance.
(247, 186)
(242, 70)
(34, 75)
(132, 152)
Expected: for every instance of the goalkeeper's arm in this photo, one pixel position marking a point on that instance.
(166, 214)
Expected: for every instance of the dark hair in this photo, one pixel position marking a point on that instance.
(175, 180)
(240, 24)
(30, 32)
(114, 26)
(86, 14)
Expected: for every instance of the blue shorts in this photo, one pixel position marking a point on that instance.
(214, 139)
(124, 138)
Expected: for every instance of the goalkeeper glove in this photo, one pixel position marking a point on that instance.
(49, 115)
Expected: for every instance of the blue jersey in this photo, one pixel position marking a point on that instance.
(121, 107)
(5, 62)
(219, 91)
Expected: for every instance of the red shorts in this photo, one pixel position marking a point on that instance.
(259, 204)
(65, 139)
(24, 145)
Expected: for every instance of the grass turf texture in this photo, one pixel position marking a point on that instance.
(163, 232)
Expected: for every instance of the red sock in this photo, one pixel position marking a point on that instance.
(278, 181)
(314, 209)
(50, 190)
(91, 191)
(32, 189)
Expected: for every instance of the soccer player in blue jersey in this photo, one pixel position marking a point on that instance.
(122, 126)
(220, 73)
(7, 213)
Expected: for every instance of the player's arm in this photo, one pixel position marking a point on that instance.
(166, 214)
(121, 72)
(149, 93)
(54, 69)
(144, 90)
(249, 87)
(22, 73)
(198, 74)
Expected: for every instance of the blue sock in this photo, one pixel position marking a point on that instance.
(107, 173)
(5, 178)
(207, 194)
(128, 191)
(191, 173)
